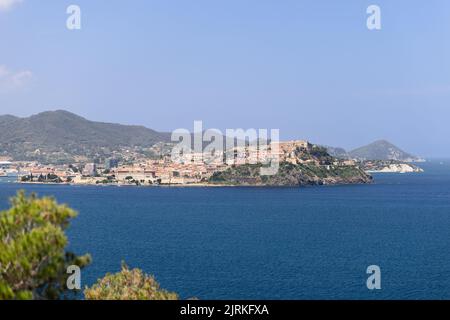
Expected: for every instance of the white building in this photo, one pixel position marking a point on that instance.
(90, 169)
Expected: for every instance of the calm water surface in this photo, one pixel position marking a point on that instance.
(270, 243)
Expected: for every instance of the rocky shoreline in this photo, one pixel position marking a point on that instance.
(390, 167)
(292, 175)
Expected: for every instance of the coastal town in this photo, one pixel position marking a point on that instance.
(195, 169)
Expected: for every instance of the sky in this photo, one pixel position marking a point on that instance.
(311, 69)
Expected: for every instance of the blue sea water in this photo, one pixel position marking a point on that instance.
(270, 243)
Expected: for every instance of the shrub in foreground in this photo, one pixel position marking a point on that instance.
(128, 285)
(33, 256)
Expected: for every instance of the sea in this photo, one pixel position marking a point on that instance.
(269, 243)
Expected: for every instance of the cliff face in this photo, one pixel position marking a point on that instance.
(291, 175)
(390, 166)
(300, 164)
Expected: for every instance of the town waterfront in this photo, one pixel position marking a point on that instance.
(270, 243)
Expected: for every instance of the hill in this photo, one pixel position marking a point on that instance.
(337, 152)
(381, 150)
(65, 135)
(311, 166)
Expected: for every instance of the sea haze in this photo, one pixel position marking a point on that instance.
(270, 243)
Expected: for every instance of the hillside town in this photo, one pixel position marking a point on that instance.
(195, 169)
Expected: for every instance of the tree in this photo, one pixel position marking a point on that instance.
(128, 285)
(33, 258)
(25, 178)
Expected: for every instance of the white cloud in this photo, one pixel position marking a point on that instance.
(3, 71)
(20, 78)
(6, 5)
(10, 80)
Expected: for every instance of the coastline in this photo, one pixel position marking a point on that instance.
(192, 185)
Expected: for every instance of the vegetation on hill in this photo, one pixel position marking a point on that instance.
(290, 175)
(60, 136)
(336, 152)
(381, 150)
(378, 150)
(309, 167)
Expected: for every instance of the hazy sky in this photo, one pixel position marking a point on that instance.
(310, 68)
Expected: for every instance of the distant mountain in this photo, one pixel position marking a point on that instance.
(339, 153)
(66, 134)
(62, 137)
(382, 150)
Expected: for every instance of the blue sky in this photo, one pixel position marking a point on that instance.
(310, 68)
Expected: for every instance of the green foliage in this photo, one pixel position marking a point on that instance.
(290, 174)
(67, 136)
(380, 150)
(217, 177)
(128, 285)
(319, 152)
(33, 259)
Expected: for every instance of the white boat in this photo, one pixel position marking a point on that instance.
(9, 173)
